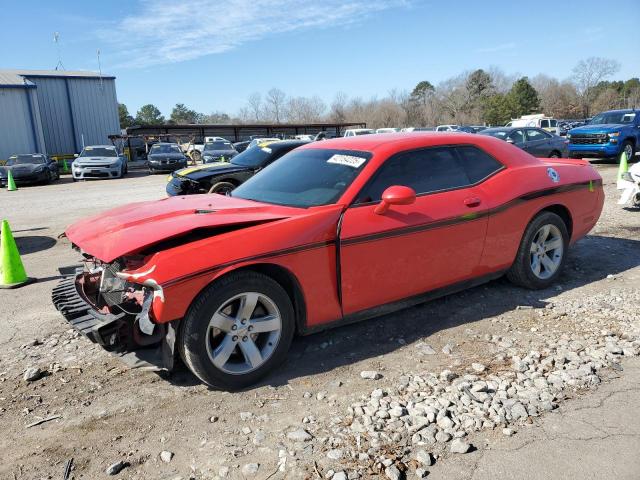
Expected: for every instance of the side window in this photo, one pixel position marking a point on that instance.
(533, 135)
(425, 171)
(477, 164)
(554, 123)
(544, 123)
(517, 136)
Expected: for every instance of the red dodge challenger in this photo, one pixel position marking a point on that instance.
(333, 232)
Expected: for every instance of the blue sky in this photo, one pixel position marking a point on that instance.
(212, 54)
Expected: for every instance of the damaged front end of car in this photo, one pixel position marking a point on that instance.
(113, 308)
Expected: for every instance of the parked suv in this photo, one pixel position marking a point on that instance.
(98, 161)
(606, 135)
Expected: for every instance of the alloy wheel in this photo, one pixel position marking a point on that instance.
(546, 251)
(628, 149)
(243, 333)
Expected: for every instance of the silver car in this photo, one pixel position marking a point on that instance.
(98, 161)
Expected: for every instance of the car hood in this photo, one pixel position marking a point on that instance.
(219, 153)
(209, 170)
(132, 228)
(604, 128)
(165, 156)
(94, 160)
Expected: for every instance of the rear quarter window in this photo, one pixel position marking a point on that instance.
(477, 163)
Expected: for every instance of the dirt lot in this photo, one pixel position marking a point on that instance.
(109, 413)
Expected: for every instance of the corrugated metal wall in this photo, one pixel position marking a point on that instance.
(18, 106)
(55, 115)
(72, 108)
(95, 109)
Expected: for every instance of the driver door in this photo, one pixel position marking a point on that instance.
(411, 249)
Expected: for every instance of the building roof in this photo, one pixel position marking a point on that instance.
(19, 78)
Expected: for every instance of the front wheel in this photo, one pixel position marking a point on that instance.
(237, 330)
(541, 253)
(222, 188)
(196, 156)
(627, 147)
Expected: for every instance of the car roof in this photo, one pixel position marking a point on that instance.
(382, 145)
(164, 143)
(99, 146)
(286, 143)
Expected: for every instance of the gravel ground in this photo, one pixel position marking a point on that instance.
(415, 393)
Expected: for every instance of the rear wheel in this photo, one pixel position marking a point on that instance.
(237, 330)
(222, 188)
(541, 253)
(555, 154)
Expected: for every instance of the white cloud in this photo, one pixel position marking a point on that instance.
(497, 48)
(169, 31)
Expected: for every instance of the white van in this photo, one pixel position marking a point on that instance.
(538, 120)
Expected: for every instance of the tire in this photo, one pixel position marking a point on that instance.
(555, 154)
(196, 155)
(222, 188)
(627, 146)
(47, 179)
(523, 271)
(200, 343)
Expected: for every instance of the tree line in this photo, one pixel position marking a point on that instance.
(478, 97)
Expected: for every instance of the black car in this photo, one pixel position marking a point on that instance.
(222, 177)
(536, 141)
(219, 151)
(166, 157)
(30, 168)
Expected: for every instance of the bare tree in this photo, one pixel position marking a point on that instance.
(255, 105)
(276, 104)
(338, 108)
(588, 73)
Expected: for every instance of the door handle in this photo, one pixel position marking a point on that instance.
(472, 202)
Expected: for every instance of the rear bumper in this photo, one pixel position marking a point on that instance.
(103, 329)
(604, 150)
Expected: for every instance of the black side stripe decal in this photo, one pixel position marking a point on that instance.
(471, 216)
(275, 253)
(391, 233)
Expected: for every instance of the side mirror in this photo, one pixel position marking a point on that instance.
(395, 195)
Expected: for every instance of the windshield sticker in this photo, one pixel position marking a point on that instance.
(347, 160)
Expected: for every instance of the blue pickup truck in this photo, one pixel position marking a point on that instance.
(606, 135)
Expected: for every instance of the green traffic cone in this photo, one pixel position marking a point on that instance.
(65, 166)
(12, 274)
(622, 169)
(11, 184)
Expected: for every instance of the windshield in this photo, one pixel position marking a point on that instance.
(253, 157)
(495, 133)
(164, 149)
(305, 178)
(22, 159)
(217, 146)
(99, 152)
(613, 117)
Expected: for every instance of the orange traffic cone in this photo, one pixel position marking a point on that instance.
(12, 274)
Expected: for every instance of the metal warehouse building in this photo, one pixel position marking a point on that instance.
(55, 111)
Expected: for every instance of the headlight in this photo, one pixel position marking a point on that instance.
(627, 176)
(208, 157)
(568, 135)
(614, 134)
